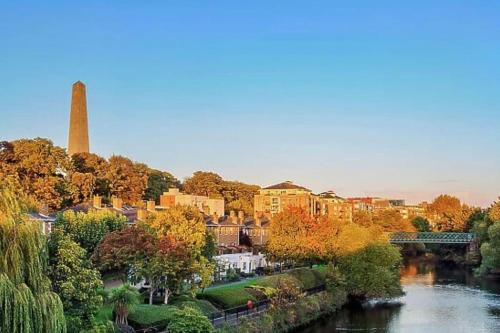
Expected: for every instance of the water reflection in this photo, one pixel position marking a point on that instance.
(438, 299)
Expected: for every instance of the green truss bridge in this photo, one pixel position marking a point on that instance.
(431, 237)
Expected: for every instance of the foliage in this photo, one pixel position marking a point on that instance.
(189, 320)
(204, 306)
(362, 218)
(391, 221)
(237, 195)
(421, 224)
(448, 214)
(490, 251)
(75, 281)
(295, 235)
(372, 271)
(123, 300)
(159, 182)
(88, 229)
(127, 180)
(334, 279)
(494, 211)
(40, 168)
(26, 302)
(121, 249)
(303, 311)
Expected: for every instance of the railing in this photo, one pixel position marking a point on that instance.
(431, 237)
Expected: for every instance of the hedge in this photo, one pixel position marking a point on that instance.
(145, 315)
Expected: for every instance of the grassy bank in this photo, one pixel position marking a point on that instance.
(238, 294)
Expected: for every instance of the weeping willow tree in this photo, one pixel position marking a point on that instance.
(26, 302)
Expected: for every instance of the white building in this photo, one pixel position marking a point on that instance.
(245, 262)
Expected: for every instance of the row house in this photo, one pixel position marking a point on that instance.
(274, 199)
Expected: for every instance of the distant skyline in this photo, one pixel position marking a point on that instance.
(372, 98)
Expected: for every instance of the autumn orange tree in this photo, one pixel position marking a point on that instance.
(448, 213)
(391, 221)
(296, 235)
(494, 211)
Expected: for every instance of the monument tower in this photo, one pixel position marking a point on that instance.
(78, 141)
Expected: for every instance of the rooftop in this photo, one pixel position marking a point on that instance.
(288, 185)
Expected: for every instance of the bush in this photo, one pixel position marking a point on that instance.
(144, 316)
(228, 297)
(201, 305)
(189, 320)
(309, 278)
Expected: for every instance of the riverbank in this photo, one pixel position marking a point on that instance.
(438, 298)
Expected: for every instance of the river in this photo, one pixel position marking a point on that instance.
(437, 299)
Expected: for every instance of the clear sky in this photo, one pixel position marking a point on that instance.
(380, 98)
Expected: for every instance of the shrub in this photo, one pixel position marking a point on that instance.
(144, 316)
(189, 320)
(309, 278)
(228, 297)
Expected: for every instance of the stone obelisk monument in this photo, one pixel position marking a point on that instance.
(78, 141)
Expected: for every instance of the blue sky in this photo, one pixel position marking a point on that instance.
(363, 97)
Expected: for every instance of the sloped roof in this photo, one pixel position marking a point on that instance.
(288, 185)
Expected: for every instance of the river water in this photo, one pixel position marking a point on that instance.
(437, 299)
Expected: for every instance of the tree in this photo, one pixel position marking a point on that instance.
(159, 182)
(372, 271)
(289, 235)
(87, 229)
(494, 211)
(392, 221)
(421, 224)
(26, 302)
(127, 180)
(448, 214)
(122, 249)
(123, 300)
(75, 281)
(204, 183)
(237, 195)
(40, 168)
(490, 251)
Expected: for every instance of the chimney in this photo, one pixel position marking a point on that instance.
(215, 218)
(241, 216)
(142, 214)
(117, 203)
(97, 202)
(150, 205)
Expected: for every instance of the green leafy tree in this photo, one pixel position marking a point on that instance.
(159, 182)
(75, 281)
(123, 300)
(372, 271)
(88, 229)
(26, 302)
(490, 251)
(189, 320)
(421, 224)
